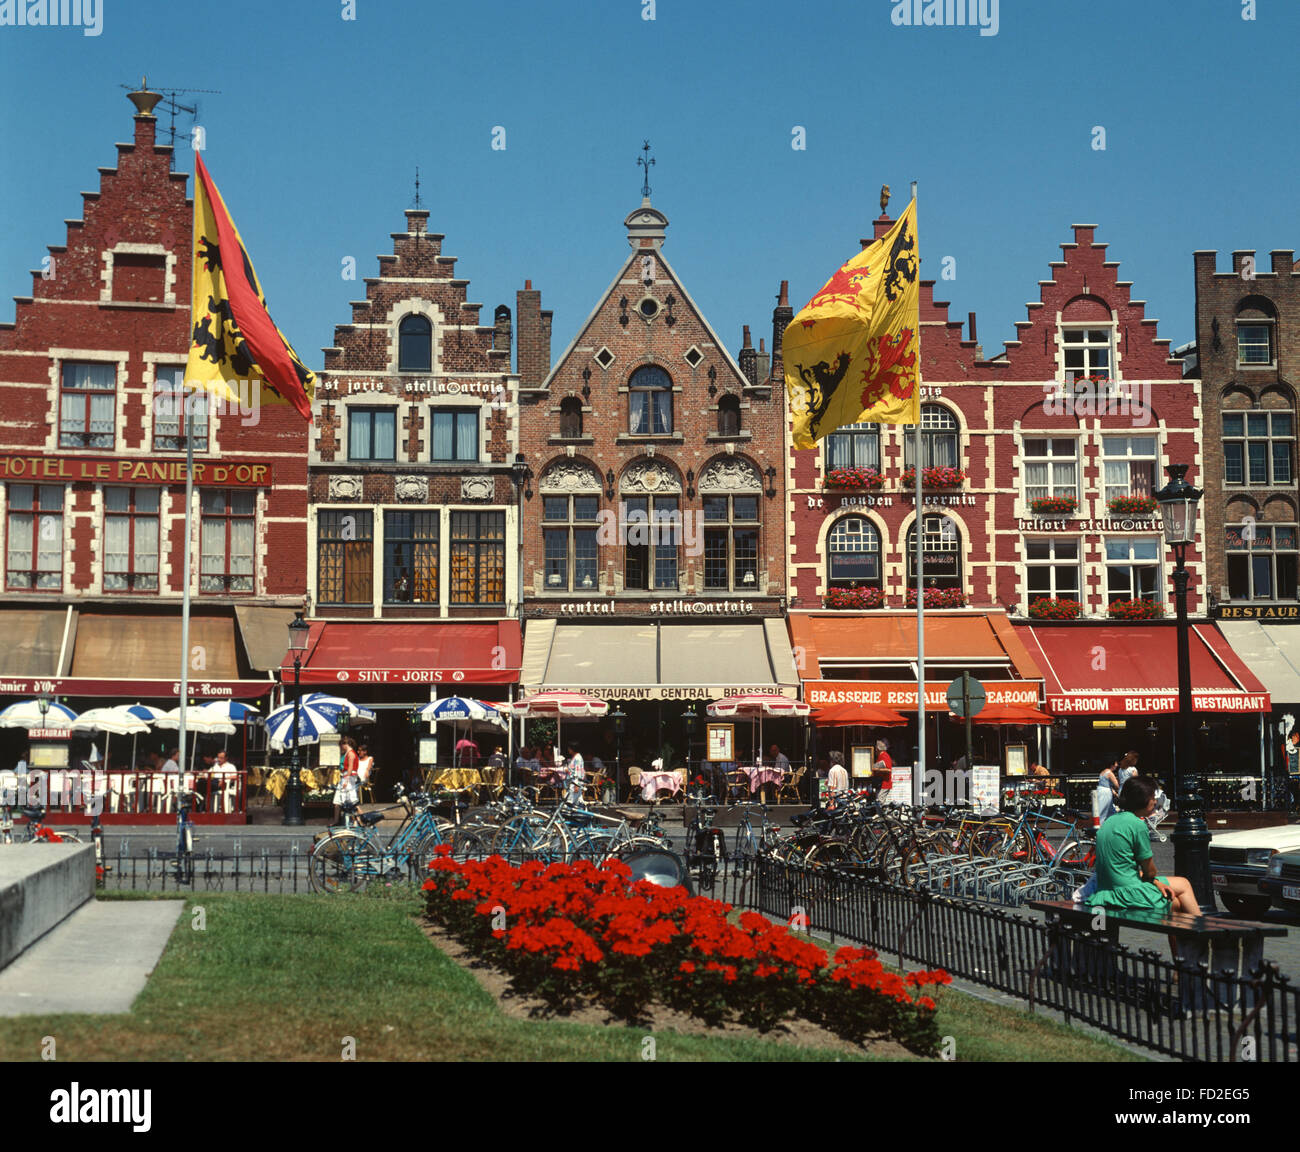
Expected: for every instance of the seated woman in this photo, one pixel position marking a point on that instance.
(1126, 871)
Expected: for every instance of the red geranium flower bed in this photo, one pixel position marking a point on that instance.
(573, 933)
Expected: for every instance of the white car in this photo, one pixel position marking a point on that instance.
(1239, 860)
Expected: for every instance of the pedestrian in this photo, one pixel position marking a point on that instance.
(1127, 768)
(1107, 790)
(365, 768)
(1291, 757)
(837, 780)
(347, 793)
(1126, 870)
(881, 771)
(577, 774)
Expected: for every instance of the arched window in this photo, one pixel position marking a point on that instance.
(940, 443)
(1255, 322)
(570, 491)
(729, 416)
(415, 344)
(941, 544)
(650, 402)
(570, 418)
(853, 554)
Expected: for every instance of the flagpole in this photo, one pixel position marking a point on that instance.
(918, 771)
(189, 504)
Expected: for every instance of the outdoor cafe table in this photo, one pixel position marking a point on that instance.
(758, 776)
(454, 779)
(652, 782)
(312, 780)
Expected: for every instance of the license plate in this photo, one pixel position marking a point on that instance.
(1290, 892)
(1218, 879)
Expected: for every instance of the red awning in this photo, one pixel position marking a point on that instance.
(401, 653)
(1126, 670)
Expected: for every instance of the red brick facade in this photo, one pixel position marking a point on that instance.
(984, 416)
(647, 410)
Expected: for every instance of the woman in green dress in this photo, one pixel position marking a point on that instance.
(1126, 872)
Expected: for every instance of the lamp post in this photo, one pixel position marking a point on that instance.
(520, 473)
(620, 720)
(688, 726)
(810, 759)
(1177, 501)
(298, 630)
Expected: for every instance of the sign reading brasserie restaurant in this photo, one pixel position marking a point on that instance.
(902, 694)
(135, 470)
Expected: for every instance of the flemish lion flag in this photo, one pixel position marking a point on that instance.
(853, 352)
(234, 337)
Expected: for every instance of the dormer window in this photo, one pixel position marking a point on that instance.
(650, 402)
(1088, 352)
(415, 345)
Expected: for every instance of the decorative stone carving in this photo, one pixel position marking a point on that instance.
(346, 487)
(414, 488)
(569, 476)
(649, 476)
(733, 474)
(476, 487)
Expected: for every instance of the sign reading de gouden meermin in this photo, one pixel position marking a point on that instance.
(852, 354)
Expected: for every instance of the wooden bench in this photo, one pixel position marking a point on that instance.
(1231, 950)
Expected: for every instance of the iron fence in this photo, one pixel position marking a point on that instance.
(1188, 1012)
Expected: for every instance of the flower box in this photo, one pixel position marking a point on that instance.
(855, 598)
(1136, 610)
(1132, 505)
(1054, 505)
(941, 477)
(939, 598)
(1045, 608)
(854, 479)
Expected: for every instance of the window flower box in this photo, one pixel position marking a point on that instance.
(939, 598)
(855, 598)
(1054, 505)
(1132, 505)
(854, 479)
(939, 477)
(1136, 610)
(1062, 608)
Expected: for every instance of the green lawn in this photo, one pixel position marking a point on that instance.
(288, 977)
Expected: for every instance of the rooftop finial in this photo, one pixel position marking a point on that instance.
(884, 199)
(417, 202)
(645, 162)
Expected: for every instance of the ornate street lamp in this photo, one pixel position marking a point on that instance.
(298, 632)
(620, 722)
(520, 474)
(688, 726)
(1178, 501)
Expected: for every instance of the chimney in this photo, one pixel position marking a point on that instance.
(970, 320)
(748, 358)
(417, 220)
(533, 343)
(501, 329)
(764, 364)
(782, 314)
(145, 122)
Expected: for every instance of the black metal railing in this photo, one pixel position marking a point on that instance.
(1188, 1012)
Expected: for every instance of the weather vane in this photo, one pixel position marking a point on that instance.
(417, 203)
(645, 162)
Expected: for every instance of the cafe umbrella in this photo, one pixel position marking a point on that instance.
(115, 721)
(29, 714)
(456, 710)
(557, 704)
(756, 705)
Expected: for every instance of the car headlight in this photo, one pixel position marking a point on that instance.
(1259, 855)
(1275, 866)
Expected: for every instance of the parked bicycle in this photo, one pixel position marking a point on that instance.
(186, 800)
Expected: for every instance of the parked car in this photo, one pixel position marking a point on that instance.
(1282, 881)
(1240, 860)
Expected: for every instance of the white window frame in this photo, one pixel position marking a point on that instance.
(1054, 564)
(1089, 345)
(1270, 439)
(1270, 334)
(1157, 595)
(1128, 457)
(1054, 463)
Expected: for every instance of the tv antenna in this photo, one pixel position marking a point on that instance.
(174, 107)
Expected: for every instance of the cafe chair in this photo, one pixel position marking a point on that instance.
(789, 790)
(634, 783)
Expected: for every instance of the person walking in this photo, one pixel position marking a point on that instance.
(1106, 792)
(349, 785)
(837, 779)
(577, 775)
(882, 770)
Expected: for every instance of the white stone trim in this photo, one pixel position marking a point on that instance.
(169, 272)
(421, 307)
(57, 358)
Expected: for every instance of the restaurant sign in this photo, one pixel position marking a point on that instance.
(133, 469)
(902, 694)
(1256, 612)
(668, 691)
(151, 689)
(1102, 524)
(1150, 703)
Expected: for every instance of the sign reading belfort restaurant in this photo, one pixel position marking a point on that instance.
(124, 469)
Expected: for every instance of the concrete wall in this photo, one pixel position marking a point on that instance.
(40, 885)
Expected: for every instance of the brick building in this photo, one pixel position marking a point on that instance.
(412, 529)
(92, 464)
(1058, 442)
(654, 527)
(1248, 359)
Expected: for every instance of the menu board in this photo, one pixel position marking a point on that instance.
(900, 785)
(722, 743)
(985, 794)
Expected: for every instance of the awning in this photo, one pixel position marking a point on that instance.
(1271, 652)
(984, 643)
(1118, 670)
(33, 640)
(265, 634)
(647, 660)
(437, 652)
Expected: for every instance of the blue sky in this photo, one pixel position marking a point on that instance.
(321, 122)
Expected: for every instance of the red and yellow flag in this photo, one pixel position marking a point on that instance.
(852, 354)
(234, 338)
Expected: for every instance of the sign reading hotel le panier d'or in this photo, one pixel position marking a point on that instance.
(40, 468)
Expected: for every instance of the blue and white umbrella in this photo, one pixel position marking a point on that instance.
(232, 711)
(146, 712)
(27, 714)
(313, 723)
(338, 706)
(459, 709)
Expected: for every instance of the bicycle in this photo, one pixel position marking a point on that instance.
(706, 846)
(185, 833)
(350, 858)
(37, 831)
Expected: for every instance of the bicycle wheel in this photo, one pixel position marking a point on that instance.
(332, 865)
(422, 853)
(472, 844)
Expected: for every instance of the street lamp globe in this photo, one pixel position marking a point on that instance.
(299, 629)
(1178, 501)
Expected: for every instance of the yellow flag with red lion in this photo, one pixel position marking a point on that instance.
(853, 352)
